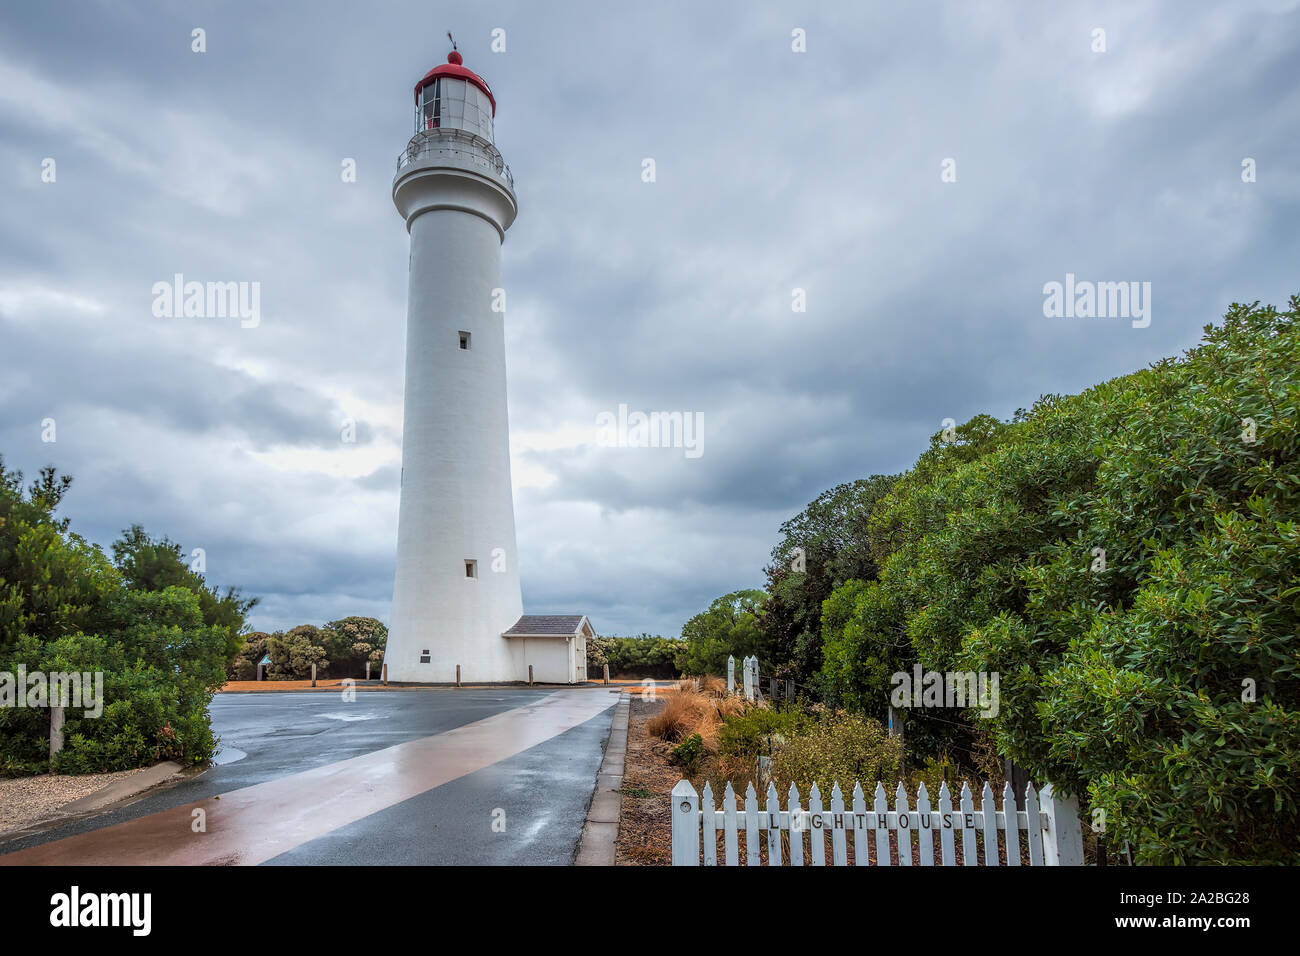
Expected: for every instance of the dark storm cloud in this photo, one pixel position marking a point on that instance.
(775, 171)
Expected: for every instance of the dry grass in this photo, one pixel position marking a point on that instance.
(684, 712)
(712, 686)
(658, 723)
(696, 706)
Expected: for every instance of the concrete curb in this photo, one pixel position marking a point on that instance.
(124, 788)
(116, 792)
(600, 832)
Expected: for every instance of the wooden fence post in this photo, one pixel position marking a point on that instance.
(457, 675)
(686, 825)
(530, 675)
(1063, 838)
(367, 670)
(731, 674)
(313, 674)
(1018, 777)
(56, 730)
(385, 672)
(606, 673)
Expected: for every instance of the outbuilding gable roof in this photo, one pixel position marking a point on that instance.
(548, 625)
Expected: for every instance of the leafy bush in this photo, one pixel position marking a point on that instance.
(758, 730)
(294, 652)
(689, 751)
(837, 747)
(1158, 679)
(352, 641)
(642, 656)
(160, 638)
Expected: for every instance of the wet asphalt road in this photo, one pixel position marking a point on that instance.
(540, 794)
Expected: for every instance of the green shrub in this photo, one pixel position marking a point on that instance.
(689, 751)
(838, 747)
(158, 636)
(758, 730)
(293, 653)
(352, 641)
(641, 656)
(1162, 687)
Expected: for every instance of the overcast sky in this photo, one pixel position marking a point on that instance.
(775, 170)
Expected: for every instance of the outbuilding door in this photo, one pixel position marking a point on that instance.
(580, 660)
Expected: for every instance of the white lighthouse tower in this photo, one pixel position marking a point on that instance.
(457, 585)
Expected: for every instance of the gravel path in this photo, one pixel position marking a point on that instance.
(26, 800)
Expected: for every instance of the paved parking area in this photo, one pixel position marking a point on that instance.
(413, 777)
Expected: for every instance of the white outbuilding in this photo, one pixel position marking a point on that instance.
(553, 645)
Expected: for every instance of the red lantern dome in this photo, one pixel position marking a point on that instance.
(453, 68)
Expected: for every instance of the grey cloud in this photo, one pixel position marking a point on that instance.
(775, 170)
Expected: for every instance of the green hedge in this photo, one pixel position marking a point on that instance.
(65, 607)
(1130, 684)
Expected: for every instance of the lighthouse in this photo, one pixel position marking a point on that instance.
(457, 607)
(456, 590)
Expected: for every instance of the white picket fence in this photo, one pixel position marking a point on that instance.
(1050, 827)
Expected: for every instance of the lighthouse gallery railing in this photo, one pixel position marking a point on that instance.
(458, 144)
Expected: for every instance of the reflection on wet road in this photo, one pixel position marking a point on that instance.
(393, 777)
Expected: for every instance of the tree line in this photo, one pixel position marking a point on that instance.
(338, 649)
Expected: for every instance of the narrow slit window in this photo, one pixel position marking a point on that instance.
(471, 569)
(464, 341)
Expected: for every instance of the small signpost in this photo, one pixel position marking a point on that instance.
(56, 730)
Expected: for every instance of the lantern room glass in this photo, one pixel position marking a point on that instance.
(449, 102)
